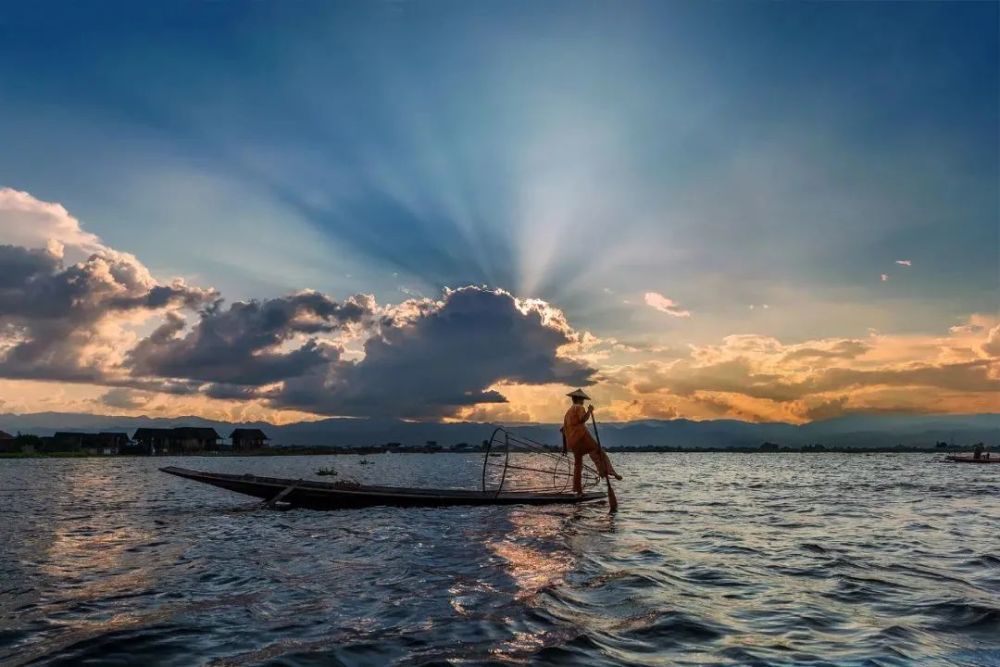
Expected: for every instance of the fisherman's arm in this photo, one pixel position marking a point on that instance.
(582, 419)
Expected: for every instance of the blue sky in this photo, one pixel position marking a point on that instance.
(725, 155)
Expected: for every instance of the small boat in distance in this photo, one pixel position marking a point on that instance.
(341, 495)
(970, 458)
(326, 472)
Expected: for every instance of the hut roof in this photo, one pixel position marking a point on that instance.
(202, 433)
(146, 432)
(248, 433)
(199, 432)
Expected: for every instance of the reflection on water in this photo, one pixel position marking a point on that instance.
(527, 552)
(713, 559)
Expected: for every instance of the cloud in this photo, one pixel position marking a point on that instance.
(768, 375)
(247, 343)
(664, 305)
(904, 262)
(74, 310)
(441, 356)
(67, 322)
(732, 405)
(79, 322)
(827, 409)
(834, 349)
(974, 376)
(992, 344)
(32, 223)
(762, 378)
(125, 398)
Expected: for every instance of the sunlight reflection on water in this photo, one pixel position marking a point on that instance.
(713, 559)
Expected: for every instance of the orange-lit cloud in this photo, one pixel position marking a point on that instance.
(760, 378)
(661, 303)
(86, 328)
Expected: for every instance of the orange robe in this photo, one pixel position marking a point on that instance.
(578, 438)
(581, 443)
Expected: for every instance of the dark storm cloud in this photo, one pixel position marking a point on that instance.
(240, 345)
(20, 265)
(431, 363)
(35, 285)
(52, 316)
(235, 392)
(422, 359)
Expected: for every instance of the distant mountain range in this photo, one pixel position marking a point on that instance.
(853, 431)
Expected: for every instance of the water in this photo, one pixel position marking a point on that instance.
(713, 559)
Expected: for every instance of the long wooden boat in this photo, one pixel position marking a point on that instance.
(339, 495)
(968, 458)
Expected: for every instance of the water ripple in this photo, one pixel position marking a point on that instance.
(714, 559)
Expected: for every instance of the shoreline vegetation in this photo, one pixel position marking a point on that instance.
(293, 450)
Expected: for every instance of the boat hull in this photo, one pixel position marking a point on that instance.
(328, 496)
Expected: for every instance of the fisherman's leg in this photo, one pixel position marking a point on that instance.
(599, 460)
(609, 467)
(589, 446)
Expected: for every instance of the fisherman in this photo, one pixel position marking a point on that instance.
(577, 439)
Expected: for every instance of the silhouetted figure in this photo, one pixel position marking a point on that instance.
(577, 439)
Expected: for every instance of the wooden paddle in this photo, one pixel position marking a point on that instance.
(612, 499)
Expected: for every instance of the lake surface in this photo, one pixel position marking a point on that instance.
(713, 559)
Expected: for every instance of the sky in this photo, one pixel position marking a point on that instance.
(461, 210)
